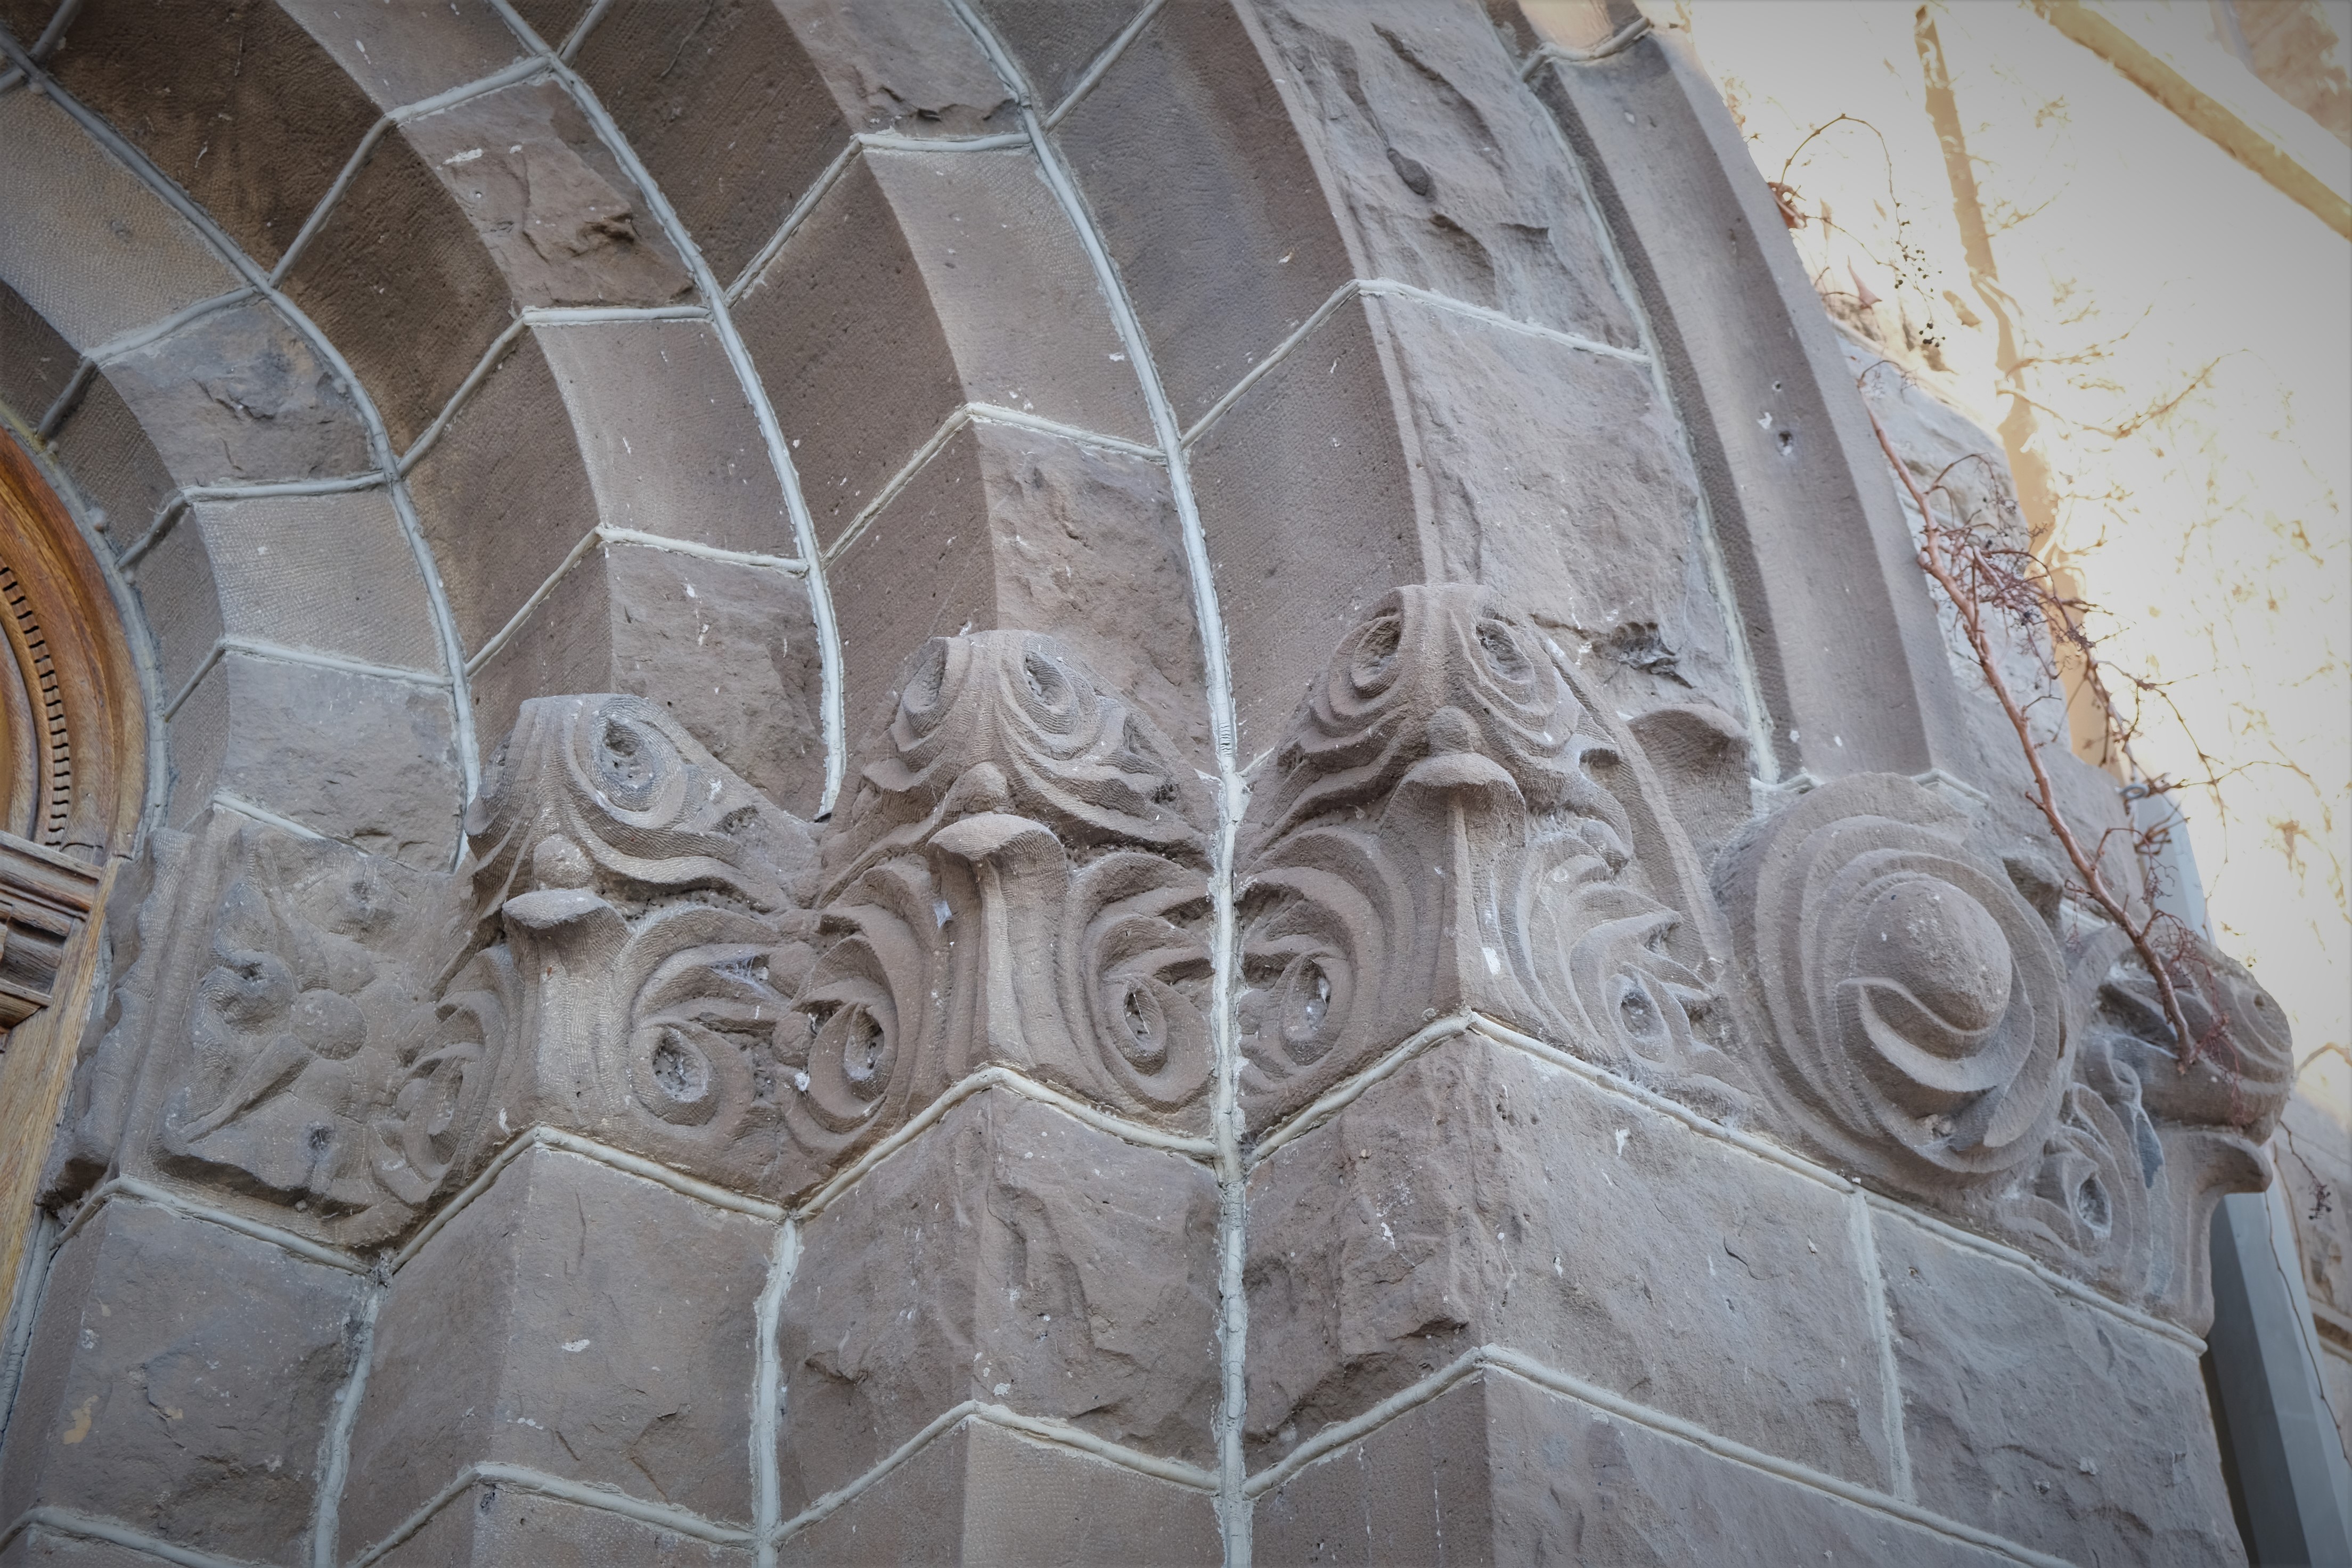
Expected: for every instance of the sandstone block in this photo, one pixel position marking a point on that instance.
(729, 649)
(1053, 41)
(913, 69)
(980, 1493)
(242, 109)
(331, 573)
(734, 126)
(564, 223)
(576, 1321)
(180, 1380)
(99, 221)
(120, 476)
(667, 437)
(1480, 1196)
(174, 584)
(367, 760)
(2058, 1426)
(842, 328)
(237, 396)
(1497, 1469)
(1019, 303)
(36, 364)
(1475, 201)
(409, 49)
(1310, 511)
(400, 282)
(1010, 527)
(489, 1526)
(1193, 170)
(42, 1548)
(1014, 1255)
(503, 496)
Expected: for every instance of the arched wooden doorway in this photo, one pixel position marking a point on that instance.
(72, 776)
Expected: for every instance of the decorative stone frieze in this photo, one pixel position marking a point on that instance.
(1457, 824)
(1022, 880)
(1909, 1004)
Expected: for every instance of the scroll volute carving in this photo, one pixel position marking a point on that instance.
(1022, 880)
(1456, 824)
(1910, 1005)
(636, 900)
(2145, 1148)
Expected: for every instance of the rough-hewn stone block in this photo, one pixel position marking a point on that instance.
(1010, 527)
(181, 1380)
(116, 469)
(239, 106)
(574, 1321)
(237, 396)
(1012, 1255)
(1497, 1469)
(982, 1494)
(724, 107)
(1481, 1196)
(331, 573)
(1193, 170)
(404, 50)
(913, 69)
(1053, 41)
(2057, 1425)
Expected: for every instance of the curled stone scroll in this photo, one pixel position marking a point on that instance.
(1455, 826)
(1022, 880)
(1910, 1004)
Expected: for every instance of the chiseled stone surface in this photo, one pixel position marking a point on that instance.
(1497, 1469)
(40, 1548)
(174, 582)
(733, 125)
(913, 69)
(238, 105)
(493, 1526)
(180, 1381)
(1010, 527)
(982, 1494)
(1480, 1196)
(399, 51)
(574, 1320)
(119, 474)
(36, 362)
(1012, 1255)
(2052, 1422)
(1053, 42)
(330, 573)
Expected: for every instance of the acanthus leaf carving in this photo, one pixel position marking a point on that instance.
(1456, 824)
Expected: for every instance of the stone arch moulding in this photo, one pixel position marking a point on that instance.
(73, 742)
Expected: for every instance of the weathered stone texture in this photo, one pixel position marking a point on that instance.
(1481, 1196)
(733, 123)
(120, 476)
(173, 580)
(1014, 1255)
(564, 223)
(331, 573)
(488, 1526)
(108, 254)
(1454, 178)
(400, 51)
(42, 1548)
(36, 362)
(237, 397)
(199, 1367)
(574, 1320)
(1192, 167)
(2047, 1420)
(667, 438)
(1497, 1469)
(402, 284)
(240, 107)
(1010, 527)
(915, 70)
(982, 1494)
(1054, 42)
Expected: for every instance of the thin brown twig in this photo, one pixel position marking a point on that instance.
(1970, 607)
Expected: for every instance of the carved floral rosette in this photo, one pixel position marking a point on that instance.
(1909, 1002)
(1022, 881)
(1457, 826)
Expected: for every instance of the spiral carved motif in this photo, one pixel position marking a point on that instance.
(1914, 1002)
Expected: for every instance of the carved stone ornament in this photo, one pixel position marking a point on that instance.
(1456, 824)
(1909, 1003)
(1022, 880)
(2125, 1190)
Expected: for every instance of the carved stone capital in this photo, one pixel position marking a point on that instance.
(1456, 824)
(1908, 1002)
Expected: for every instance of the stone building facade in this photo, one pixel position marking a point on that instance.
(1095, 782)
